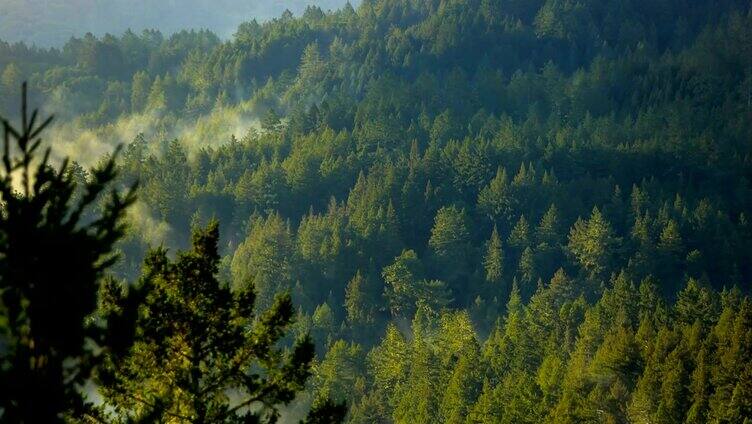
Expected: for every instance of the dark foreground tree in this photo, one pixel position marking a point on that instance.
(56, 240)
(200, 355)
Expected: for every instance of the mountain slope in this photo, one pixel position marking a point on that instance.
(53, 22)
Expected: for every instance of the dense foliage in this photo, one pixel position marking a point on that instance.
(487, 211)
(53, 22)
(177, 345)
(50, 229)
(198, 354)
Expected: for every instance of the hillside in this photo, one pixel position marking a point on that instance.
(485, 211)
(51, 23)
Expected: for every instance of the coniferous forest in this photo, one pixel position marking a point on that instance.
(398, 211)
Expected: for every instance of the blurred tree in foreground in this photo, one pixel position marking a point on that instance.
(56, 241)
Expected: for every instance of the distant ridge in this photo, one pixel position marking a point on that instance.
(50, 23)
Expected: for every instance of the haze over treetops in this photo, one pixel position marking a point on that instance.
(49, 23)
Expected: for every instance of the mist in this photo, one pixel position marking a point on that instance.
(87, 146)
(50, 23)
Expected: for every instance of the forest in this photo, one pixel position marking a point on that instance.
(50, 23)
(402, 211)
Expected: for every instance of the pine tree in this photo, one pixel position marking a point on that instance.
(546, 312)
(493, 261)
(450, 244)
(695, 302)
(487, 409)
(337, 374)
(463, 387)
(519, 238)
(548, 231)
(11, 78)
(645, 396)
(618, 357)
(56, 243)
(157, 99)
(670, 251)
(323, 325)
(419, 402)
(730, 374)
(265, 261)
(672, 404)
(271, 121)
(196, 341)
(700, 387)
(359, 304)
(434, 294)
(311, 64)
(512, 348)
(520, 398)
(670, 239)
(389, 362)
(594, 244)
(496, 199)
(140, 88)
(401, 278)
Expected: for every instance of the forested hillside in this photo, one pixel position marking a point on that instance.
(510, 211)
(51, 23)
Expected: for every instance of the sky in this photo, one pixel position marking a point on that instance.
(50, 23)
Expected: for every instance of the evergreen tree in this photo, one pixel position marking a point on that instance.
(700, 387)
(493, 261)
(401, 280)
(695, 302)
(527, 272)
(594, 244)
(157, 98)
(450, 244)
(56, 243)
(271, 121)
(487, 409)
(463, 387)
(670, 240)
(265, 260)
(403, 110)
(196, 342)
(548, 231)
(496, 199)
(337, 374)
(11, 77)
(519, 238)
(140, 89)
(359, 301)
(389, 362)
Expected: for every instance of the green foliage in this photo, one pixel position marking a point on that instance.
(519, 237)
(566, 179)
(359, 300)
(57, 237)
(594, 244)
(264, 262)
(338, 376)
(493, 261)
(450, 243)
(401, 280)
(196, 342)
(140, 91)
